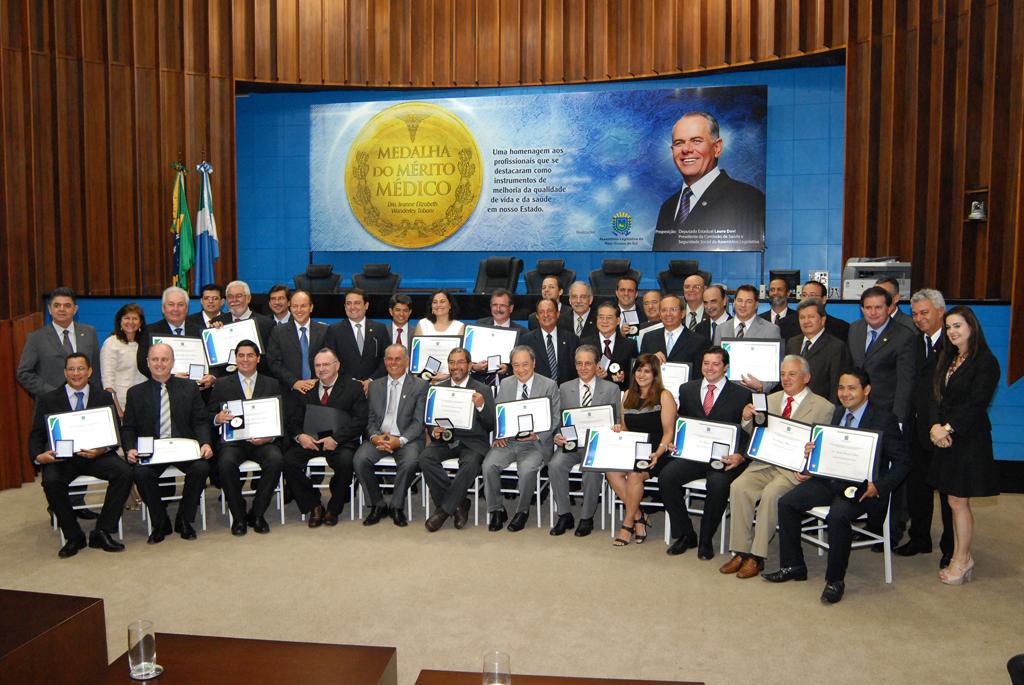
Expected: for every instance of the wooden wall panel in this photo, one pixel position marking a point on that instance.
(97, 237)
(311, 48)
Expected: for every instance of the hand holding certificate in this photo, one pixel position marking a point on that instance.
(167, 450)
(436, 347)
(187, 353)
(221, 342)
(87, 429)
(512, 418)
(261, 418)
(701, 440)
(844, 453)
(611, 450)
(780, 442)
(750, 357)
(454, 404)
(587, 419)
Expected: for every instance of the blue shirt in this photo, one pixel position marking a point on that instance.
(858, 414)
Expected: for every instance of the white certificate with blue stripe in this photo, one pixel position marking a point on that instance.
(611, 450)
(221, 342)
(88, 428)
(844, 453)
(694, 438)
(454, 404)
(489, 341)
(507, 416)
(436, 346)
(781, 442)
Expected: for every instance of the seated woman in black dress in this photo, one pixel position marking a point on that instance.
(966, 376)
(646, 408)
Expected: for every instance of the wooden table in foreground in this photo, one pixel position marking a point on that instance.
(470, 678)
(198, 659)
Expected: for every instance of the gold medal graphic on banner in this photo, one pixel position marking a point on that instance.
(413, 175)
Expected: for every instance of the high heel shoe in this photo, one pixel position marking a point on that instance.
(950, 575)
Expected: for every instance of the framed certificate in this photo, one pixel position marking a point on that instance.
(611, 451)
(187, 351)
(586, 419)
(844, 453)
(169, 450)
(454, 404)
(488, 341)
(221, 342)
(695, 439)
(436, 346)
(262, 419)
(780, 442)
(509, 416)
(673, 375)
(88, 428)
(749, 356)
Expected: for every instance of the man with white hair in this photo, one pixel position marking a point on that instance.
(174, 305)
(239, 296)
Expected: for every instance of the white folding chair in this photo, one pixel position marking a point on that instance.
(451, 467)
(91, 486)
(252, 470)
(317, 466)
(387, 466)
(576, 478)
(814, 528)
(173, 473)
(510, 471)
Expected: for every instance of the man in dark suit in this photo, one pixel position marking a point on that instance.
(292, 347)
(211, 298)
(613, 347)
(626, 291)
(239, 297)
(886, 351)
(651, 303)
(780, 313)
(502, 305)
(929, 308)
(856, 412)
(395, 428)
(277, 302)
(834, 326)
(358, 342)
(716, 310)
(827, 356)
(174, 305)
(675, 343)
(553, 346)
(74, 395)
(399, 328)
(346, 397)
(892, 286)
(709, 199)
(714, 398)
(247, 384)
(41, 368)
(579, 316)
(551, 289)
(469, 446)
(693, 300)
(167, 407)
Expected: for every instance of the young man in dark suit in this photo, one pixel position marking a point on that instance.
(399, 327)
(41, 368)
(211, 298)
(358, 342)
(549, 341)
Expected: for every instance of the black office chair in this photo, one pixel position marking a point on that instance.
(498, 272)
(545, 268)
(604, 280)
(671, 280)
(377, 279)
(318, 278)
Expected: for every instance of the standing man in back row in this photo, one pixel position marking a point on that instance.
(41, 368)
(358, 342)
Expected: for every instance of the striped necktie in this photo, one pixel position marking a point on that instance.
(552, 359)
(165, 412)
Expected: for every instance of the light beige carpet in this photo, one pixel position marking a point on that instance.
(557, 605)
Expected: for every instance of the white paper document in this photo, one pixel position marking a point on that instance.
(509, 416)
(436, 346)
(187, 351)
(88, 428)
(844, 453)
(757, 358)
(262, 420)
(611, 451)
(221, 342)
(780, 442)
(695, 438)
(454, 404)
(587, 419)
(487, 341)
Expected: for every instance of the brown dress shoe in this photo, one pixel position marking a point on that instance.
(330, 518)
(752, 566)
(316, 517)
(733, 565)
(462, 514)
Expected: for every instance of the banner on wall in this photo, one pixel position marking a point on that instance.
(589, 171)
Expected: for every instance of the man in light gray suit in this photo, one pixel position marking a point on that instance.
(529, 453)
(586, 391)
(747, 324)
(395, 428)
(41, 369)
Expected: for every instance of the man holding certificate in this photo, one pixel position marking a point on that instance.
(247, 384)
(747, 325)
(395, 428)
(586, 391)
(529, 450)
(166, 406)
(60, 468)
(847, 500)
(765, 481)
(468, 445)
(616, 351)
(174, 305)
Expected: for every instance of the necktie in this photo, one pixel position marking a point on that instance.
(693, 321)
(579, 325)
(248, 388)
(391, 413)
(607, 348)
(709, 399)
(684, 206)
(177, 331)
(775, 318)
(714, 327)
(788, 411)
(304, 346)
(586, 396)
(739, 330)
(326, 395)
(79, 401)
(927, 346)
(871, 340)
(68, 347)
(552, 359)
(398, 337)
(807, 346)
(848, 420)
(359, 337)
(670, 342)
(165, 412)
(526, 393)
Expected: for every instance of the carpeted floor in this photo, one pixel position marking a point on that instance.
(557, 605)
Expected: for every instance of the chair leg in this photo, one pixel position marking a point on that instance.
(887, 548)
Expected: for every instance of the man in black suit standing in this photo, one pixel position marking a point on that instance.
(675, 343)
(886, 351)
(167, 407)
(75, 395)
(626, 291)
(693, 299)
(709, 199)
(469, 446)
(174, 305)
(211, 297)
(651, 302)
(614, 348)
(551, 289)
(827, 356)
(247, 384)
(892, 286)
(346, 397)
(502, 304)
(714, 398)
(834, 326)
(399, 329)
(579, 316)
(292, 347)
(239, 296)
(780, 313)
(553, 346)
(856, 412)
(358, 342)
(716, 310)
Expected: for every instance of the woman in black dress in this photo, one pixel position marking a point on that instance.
(646, 408)
(966, 376)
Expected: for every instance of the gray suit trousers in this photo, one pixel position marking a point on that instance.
(558, 472)
(528, 459)
(367, 457)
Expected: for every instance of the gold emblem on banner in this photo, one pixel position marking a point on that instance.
(413, 175)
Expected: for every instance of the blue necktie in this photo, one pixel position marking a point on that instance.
(79, 401)
(684, 206)
(849, 419)
(871, 341)
(304, 346)
(552, 359)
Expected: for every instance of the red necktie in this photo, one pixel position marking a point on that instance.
(709, 400)
(326, 395)
(398, 337)
(789, 408)
(608, 348)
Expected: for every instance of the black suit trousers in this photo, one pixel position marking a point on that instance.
(303, 490)
(108, 467)
(147, 478)
(448, 492)
(921, 501)
(270, 459)
(679, 472)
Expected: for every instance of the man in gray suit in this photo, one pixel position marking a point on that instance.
(399, 329)
(529, 453)
(886, 350)
(395, 428)
(586, 391)
(41, 369)
(747, 324)
(293, 346)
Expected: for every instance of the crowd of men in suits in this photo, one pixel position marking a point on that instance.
(576, 354)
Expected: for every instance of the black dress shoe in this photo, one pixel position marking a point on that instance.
(86, 514)
(260, 525)
(462, 515)
(436, 520)
(786, 573)
(186, 530)
(585, 528)
(518, 522)
(101, 539)
(705, 551)
(316, 517)
(682, 544)
(565, 522)
(944, 561)
(330, 519)
(498, 519)
(398, 516)
(833, 592)
(238, 528)
(911, 548)
(377, 512)
(71, 547)
(159, 532)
